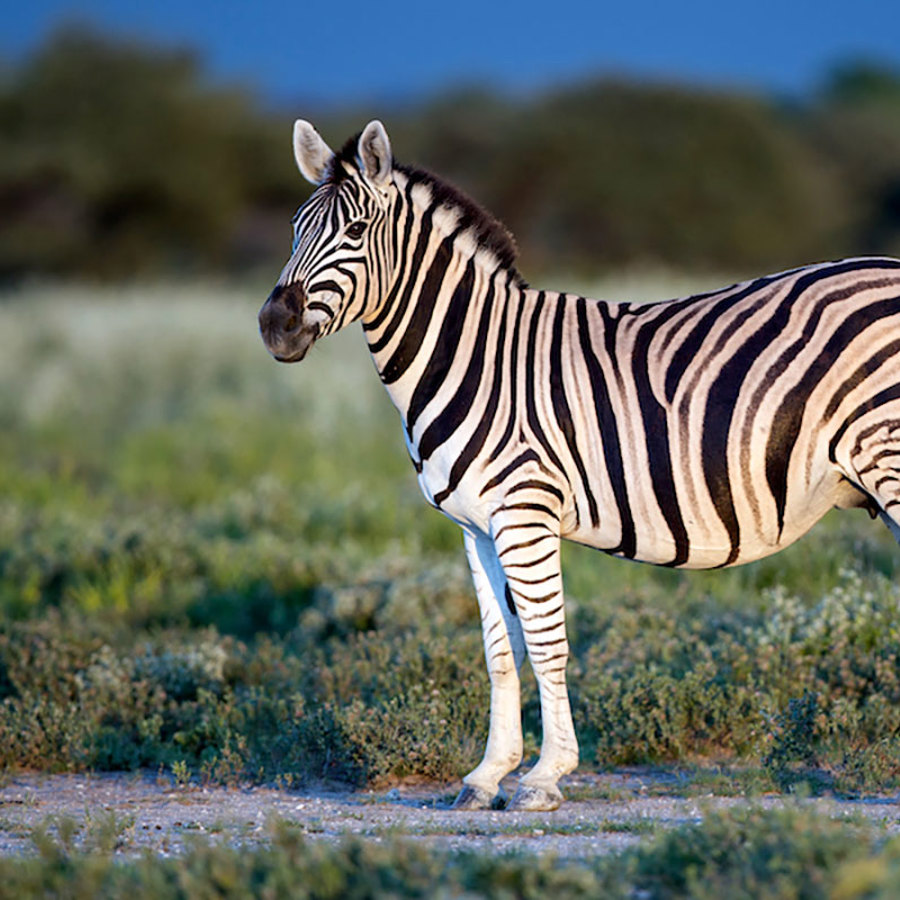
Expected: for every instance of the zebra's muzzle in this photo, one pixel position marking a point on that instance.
(282, 327)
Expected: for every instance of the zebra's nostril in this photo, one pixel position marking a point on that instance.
(291, 323)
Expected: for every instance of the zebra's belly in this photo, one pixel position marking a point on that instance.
(708, 546)
(706, 541)
(660, 550)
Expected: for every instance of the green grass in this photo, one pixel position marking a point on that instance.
(222, 566)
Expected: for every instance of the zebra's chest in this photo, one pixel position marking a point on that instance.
(462, 504)
(457, 494)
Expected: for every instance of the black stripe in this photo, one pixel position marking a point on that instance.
(532, 580)
(659, 450)
(544, 614)
(531, 507)
(317, 305)
(563, 413)
(505, 438)
(460, 404)
(525, 457)
(346, 308)
(686, 354)
(534, 484)
(869, 367)
(531, 562)
(510, 603)
(609, 435)
(683, 310)
(876, 460)
(423, 309)
(328, 285)
(529, 543)
(888, 395)
(544, 628)
(528, 375)
(399, 309)
(479, 435)
(441, 359)
(409, 270)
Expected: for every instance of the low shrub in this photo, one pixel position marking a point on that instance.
(784, 854)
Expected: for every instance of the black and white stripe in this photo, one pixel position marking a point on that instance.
(700, 432)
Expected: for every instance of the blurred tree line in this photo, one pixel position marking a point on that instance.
(122, 160)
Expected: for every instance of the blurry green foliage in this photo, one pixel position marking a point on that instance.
(857, 125)
(120, 159)
(610, 174)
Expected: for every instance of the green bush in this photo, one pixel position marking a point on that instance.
(790, 854)
(752, 853)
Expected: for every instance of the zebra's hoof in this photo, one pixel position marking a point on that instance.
(471, 797)
(530, 798)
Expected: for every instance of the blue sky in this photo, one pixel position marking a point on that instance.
(354, 52)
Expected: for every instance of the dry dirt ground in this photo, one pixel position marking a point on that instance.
(133, 813)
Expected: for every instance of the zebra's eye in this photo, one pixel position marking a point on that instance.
(356, 229)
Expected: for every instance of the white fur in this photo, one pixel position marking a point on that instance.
(312, 153)
(375, 157)
(421, 194)
(444, 219)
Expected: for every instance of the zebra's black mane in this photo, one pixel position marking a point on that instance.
(489, 231)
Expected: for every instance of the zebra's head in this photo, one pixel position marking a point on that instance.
(340, 261)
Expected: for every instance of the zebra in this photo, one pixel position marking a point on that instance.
(698, 432)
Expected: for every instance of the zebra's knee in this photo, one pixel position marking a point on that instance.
(504, 675)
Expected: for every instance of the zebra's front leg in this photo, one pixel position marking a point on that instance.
(504, 650)
(526, 539)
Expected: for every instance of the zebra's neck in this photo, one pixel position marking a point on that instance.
(443, 310)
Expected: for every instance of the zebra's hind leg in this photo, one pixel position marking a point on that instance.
(504, 650)
(526, 538)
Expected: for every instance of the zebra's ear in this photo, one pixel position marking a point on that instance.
(312, 153)
(375, 153)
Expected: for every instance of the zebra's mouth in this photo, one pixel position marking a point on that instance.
(295, 348)
(292, 346)
(286, 331)
(293, 357)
